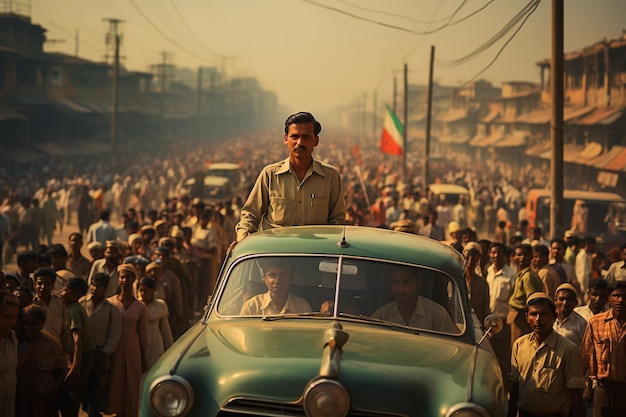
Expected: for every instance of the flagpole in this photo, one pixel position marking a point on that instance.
(406, 120)
(428, 120)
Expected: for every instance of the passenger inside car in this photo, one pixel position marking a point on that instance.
(277, 275)
(411, 309)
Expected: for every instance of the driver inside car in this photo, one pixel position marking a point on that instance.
(410, 309)
(277, 276)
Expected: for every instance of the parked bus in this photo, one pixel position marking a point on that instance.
(605, 212)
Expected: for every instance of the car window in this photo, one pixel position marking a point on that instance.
(407, 295)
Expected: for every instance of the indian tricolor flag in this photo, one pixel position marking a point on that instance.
(391, 140)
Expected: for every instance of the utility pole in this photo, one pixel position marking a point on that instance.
(199, 105)
(395, 94)
(428, 121)
(364, 118)
(406, 120)
(162, 71)
(556, 121)
(113, 41)
(76, 44)
(374, 116)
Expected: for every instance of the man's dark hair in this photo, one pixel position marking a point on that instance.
(148, 282)
(598, 284)
(541, 250)
(101, 278)
(75, 234)
(526, 247)
(573, 241)
(133, 226)
(35, 310)
(559, 241)
(57, 250)
(105, 215)
(44, 258)
(45, 272)
(25, 256)
(77, 286)
(303, 117)
(617, 285)
(497, 245)
(588, 240)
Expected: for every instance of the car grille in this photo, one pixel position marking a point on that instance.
(253, 407)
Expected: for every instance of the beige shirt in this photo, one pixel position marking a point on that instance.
(550, 278)
(106, 324)
(427, 315)
(262, 304)
(572, 328)
(279, 199)
(55, 317)
(546, 373)
(99, 266)
(501, 284)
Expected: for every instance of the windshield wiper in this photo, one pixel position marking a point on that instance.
(379, 321)
(345, 316)
(290, 315)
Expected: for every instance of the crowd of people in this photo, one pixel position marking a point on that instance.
(148, 275)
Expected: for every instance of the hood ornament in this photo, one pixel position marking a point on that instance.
(336, 339)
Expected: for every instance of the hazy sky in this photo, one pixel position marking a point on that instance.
(320, 54)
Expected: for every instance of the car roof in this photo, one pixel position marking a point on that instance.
(448, 189)
(362, 242)
(223, 166)
(578, 194)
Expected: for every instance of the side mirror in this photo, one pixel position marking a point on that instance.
(493, 324)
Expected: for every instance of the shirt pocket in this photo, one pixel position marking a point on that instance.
(544, 378)
(503, 291)
(319, 211)
(282, 211)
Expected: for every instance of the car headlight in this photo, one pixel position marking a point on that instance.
(467, 410)
(326, 398)
(171, 396)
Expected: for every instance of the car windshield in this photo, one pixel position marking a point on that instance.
(407, 295)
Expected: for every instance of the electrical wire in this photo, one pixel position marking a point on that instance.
(376, 22)
(521, 16)
(191, 32)
(164, 35)
(536, 4)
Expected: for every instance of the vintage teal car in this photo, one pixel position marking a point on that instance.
(342, 344)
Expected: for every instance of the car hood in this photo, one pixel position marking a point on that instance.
(382, 368)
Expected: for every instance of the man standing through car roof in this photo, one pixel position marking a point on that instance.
(298, 190)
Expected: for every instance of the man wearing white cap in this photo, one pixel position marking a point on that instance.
(568, 323)
(546, 368)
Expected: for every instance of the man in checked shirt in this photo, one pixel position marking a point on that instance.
(604, 355)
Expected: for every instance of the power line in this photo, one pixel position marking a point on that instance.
(193, 34)
(376, 22)
(448, 23)
(160, 32)
(522, 15)
(416, 20)
(536, 4)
